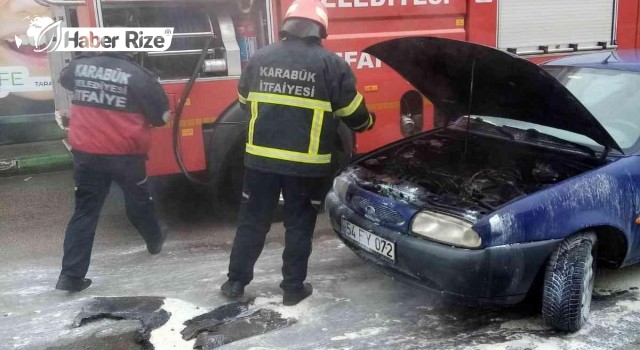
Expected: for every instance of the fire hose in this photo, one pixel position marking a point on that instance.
(177, 151)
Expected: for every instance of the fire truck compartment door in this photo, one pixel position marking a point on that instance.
(527, 25)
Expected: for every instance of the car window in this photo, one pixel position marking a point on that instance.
(612, 96)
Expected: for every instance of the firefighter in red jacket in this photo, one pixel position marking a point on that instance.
(115, 103)
(297, 93)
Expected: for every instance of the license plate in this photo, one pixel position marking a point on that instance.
(368, 240)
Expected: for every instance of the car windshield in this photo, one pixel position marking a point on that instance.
(612, 96)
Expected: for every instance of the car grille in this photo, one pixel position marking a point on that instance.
(375, 211)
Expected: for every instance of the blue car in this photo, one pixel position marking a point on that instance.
(533, 178)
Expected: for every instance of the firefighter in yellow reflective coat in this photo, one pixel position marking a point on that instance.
(297, 93)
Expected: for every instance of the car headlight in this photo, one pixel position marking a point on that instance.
(340, 187)
(445, 229)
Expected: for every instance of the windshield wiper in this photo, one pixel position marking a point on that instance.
(535, 134)
(495, 127)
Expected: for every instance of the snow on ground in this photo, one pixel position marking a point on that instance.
(168, 336)
(533, 343)
(363, 333)
(353, 305)
(298, 312)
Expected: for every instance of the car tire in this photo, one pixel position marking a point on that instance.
(568, 283)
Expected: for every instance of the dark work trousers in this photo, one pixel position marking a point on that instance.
(261, 192)
(93, 175)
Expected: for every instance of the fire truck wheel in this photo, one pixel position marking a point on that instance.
(231, 188)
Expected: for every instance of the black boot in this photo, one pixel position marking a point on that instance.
(156, 247)
(293, 297)
(232, 289)
(72, 284)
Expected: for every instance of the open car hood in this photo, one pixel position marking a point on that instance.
(504, 85)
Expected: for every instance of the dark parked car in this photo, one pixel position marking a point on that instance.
(534, 177)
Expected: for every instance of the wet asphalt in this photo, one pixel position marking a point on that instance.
(353, 306)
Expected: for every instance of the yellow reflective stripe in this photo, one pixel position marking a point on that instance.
(288, 155)
(252, 122)
(370, 121)
(242, 99)
(351, 108)
(292, 101)
(316, 129)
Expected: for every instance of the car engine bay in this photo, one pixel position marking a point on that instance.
(435, 170)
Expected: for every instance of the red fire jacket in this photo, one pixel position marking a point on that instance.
(115, 103)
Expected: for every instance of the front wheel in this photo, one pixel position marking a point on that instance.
(568, 283)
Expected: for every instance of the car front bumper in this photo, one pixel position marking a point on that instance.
(500, 275)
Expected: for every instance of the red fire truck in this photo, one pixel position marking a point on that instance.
(208, 129)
